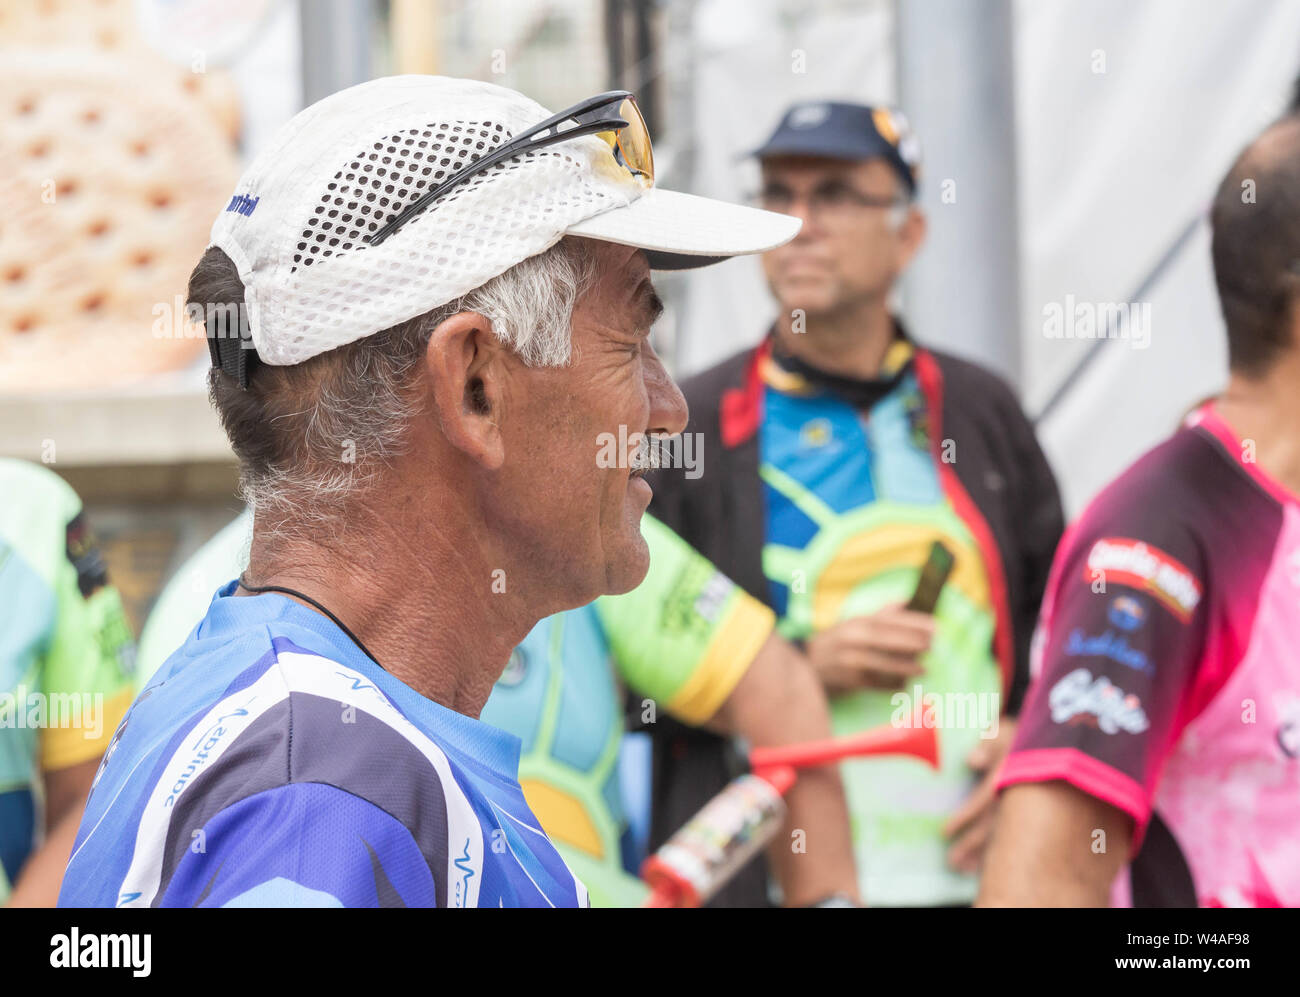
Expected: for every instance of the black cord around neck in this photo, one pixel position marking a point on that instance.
(310, 601)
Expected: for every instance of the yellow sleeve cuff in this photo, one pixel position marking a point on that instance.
(733, 649)
(64, 746)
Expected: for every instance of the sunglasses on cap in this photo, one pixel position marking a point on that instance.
(612, 117)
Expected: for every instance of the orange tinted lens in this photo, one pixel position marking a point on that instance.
(633, 142)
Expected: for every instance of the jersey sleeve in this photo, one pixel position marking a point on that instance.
(301, 845)
(85, 671)
(1118, 646)
(687, 634)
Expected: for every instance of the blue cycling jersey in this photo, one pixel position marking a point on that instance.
(271, 763)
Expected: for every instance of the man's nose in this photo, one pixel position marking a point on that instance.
(801, 208)
(668, 411)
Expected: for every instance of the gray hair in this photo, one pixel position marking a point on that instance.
(314, 435)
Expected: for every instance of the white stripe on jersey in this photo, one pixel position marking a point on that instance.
(208, 740)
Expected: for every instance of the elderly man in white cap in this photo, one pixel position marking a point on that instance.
(415, 358)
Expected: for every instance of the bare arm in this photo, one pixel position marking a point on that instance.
(66, 790)
(780, 701)
(1047, 850)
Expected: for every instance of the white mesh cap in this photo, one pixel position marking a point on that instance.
(340, 169)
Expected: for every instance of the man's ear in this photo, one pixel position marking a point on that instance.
(911, 234)
(466, 365)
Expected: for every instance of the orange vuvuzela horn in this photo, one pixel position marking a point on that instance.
(919, 742)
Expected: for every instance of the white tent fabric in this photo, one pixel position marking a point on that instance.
(1127, 116)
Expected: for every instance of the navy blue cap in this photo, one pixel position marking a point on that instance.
(836, 130)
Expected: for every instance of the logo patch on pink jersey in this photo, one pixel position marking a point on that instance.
(1137, 564)
(1078, 697)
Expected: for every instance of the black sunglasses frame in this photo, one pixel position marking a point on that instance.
(588, 117)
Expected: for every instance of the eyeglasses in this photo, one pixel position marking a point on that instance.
(824, 201)
(612, 117)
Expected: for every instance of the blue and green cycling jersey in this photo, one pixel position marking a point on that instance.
(681, 641)
(853, 502)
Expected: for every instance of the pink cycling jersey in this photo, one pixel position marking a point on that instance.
(1167, 672)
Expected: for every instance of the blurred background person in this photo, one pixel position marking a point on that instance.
(1162, 735)
(66, 657)
(837, 452)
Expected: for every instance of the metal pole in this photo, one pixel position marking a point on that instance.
(614, 42)
(956, 86)
(679, 141)
(335, 45)
(648, 85)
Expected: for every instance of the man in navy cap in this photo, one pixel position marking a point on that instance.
(838, 452)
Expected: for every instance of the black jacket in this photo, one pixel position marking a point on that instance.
(995, 475)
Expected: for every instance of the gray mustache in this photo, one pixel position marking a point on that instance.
(650, 453)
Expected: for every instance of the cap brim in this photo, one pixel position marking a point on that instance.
(681, 231)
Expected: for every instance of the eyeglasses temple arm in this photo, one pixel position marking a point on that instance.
(576, 111)
(528, 140)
